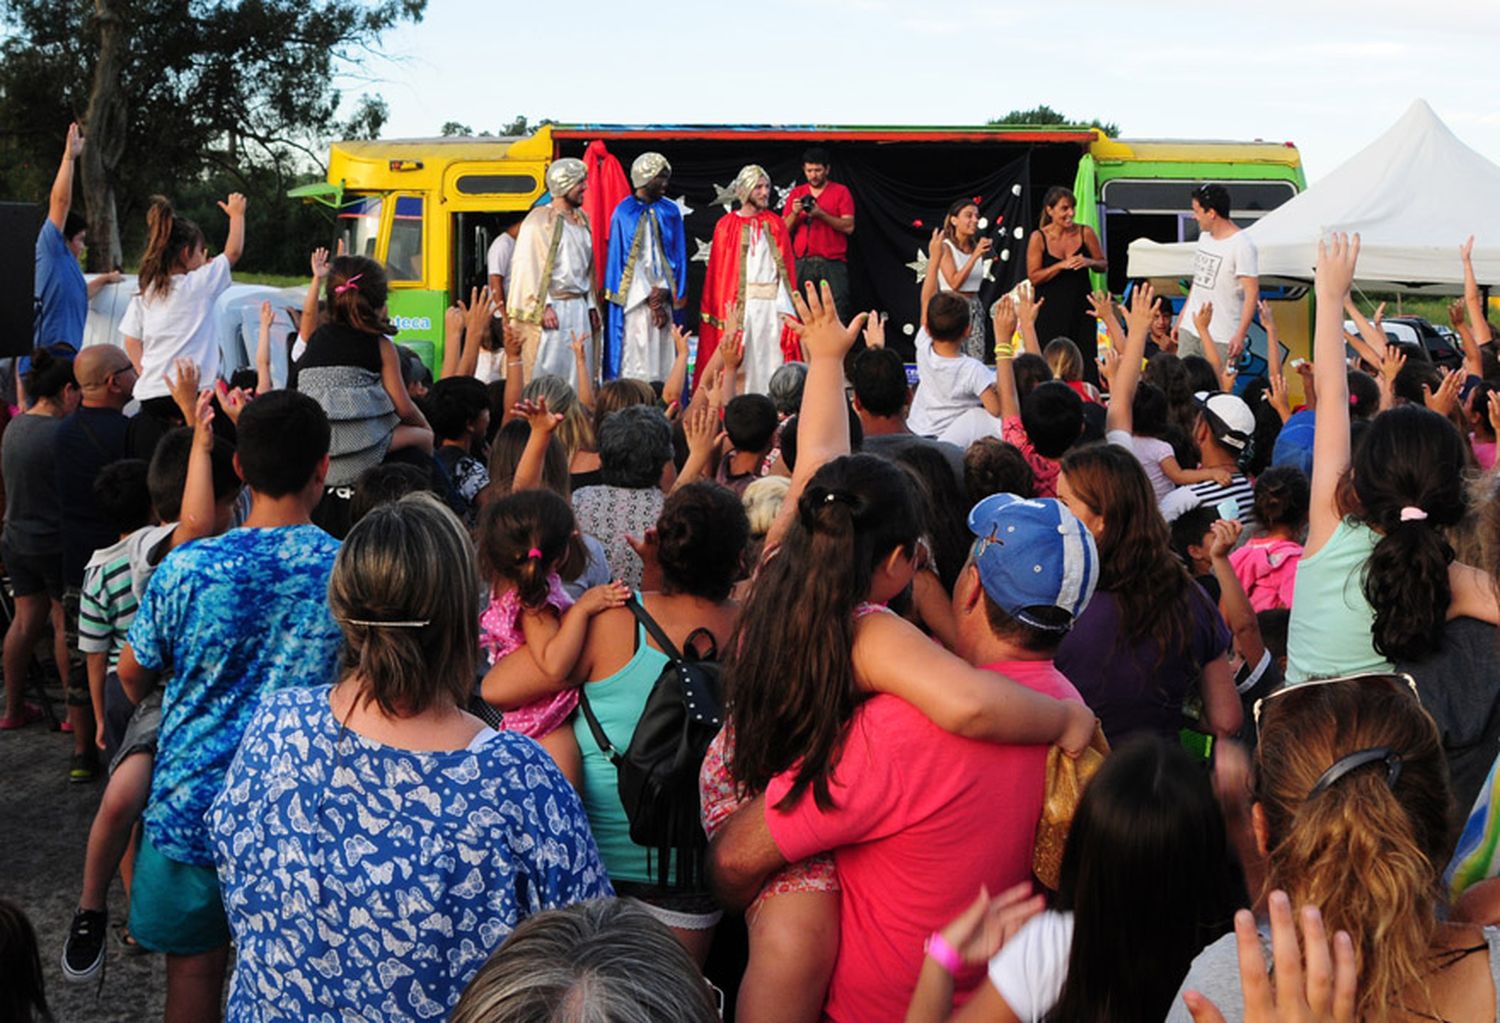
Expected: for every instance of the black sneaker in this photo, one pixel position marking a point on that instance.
(83, 768)
(83, 955)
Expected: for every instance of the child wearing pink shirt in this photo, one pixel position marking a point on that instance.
(1267, 566)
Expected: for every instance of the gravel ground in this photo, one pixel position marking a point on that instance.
(44, 822)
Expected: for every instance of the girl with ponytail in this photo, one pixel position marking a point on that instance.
(1377, 579)
(1351, 813)
(525, 540)
(352, 369)
(172, 317)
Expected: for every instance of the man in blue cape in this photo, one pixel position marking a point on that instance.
(646, 276)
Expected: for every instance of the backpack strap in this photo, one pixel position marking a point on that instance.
(656, 631)
(605, 746)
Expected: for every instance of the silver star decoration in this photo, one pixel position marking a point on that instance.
(724, 197)
(681, 203)
(919, 265)
(705, 248)
(782, 193)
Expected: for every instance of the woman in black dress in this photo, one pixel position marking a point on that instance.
(1058, 260)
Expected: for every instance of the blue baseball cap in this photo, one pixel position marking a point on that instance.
(1032, 554)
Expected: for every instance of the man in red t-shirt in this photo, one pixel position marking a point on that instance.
(820, 216)
(923, 818)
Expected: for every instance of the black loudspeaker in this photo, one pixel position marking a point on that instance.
(19, 224)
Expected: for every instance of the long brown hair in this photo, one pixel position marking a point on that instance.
(790, 670)
(356, 295)
(167, 235)
(1055, 195)
(526, 536)
(1135, 548)
(950, 233)
(1370, 855)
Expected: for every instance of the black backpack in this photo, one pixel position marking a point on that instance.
(658, 772)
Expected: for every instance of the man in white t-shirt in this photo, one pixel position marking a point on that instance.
(498, 264)
(1226, 272)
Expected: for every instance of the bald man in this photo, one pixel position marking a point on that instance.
(95, 435)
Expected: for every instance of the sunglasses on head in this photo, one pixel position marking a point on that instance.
(1385, 755)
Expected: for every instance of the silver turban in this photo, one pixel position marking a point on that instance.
(565, 175)
(646, 167)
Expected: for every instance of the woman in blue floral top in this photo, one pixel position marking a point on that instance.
(375, 842)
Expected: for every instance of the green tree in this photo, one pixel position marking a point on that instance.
(455, 129)
(175, 92)
(1045, 115)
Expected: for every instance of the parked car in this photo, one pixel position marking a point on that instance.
(1419, 339)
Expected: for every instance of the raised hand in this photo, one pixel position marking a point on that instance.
(935, 246)
(1392, 364)
(267, 315)
(1325, 993)
(875, 330)
(817, 323)
(1029, 306)
(1466, 250)
(1142, 310)
(513, 341)
(1226, 535)
(984, 927)
(1267, 319)
(580, 346)
(1445, 398)
(1457, 313)
(733, 351)
(1338, 256)
(1304, 368)
(1109, 365)
(479, 314)
(75, 141)
(537, 415)
(1378, 317)
(203, 420)
(320, 263)
(1005, 319)
(679, 341)
(702, 429)
(1101, 305)
(234, 205)
(453, 321)
(232, 400)
(1202, 318)
(183, 385)
(1277, 397)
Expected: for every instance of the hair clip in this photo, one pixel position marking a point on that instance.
(386, 625)
(1411, 513)
(348, 285)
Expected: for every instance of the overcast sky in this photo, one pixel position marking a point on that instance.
(1328, 75)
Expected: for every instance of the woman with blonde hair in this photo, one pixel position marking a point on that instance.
(575, 431)
(1351, 813)
(362, 821)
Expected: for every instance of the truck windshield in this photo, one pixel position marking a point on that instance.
(359, 225)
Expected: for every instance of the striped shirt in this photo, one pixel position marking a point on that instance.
(108, 603)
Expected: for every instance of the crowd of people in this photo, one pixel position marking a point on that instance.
(508, 697)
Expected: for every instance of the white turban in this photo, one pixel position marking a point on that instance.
(745, 181)
(646, 167)
(565, 175)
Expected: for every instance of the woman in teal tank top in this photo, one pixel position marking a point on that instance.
(1377, 580)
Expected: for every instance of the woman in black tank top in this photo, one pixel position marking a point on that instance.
(1063, 281)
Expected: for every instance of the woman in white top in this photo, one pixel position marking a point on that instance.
(961, 267)
(1146, 883)
(179, 284)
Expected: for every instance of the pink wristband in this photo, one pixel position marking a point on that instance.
(942, 953)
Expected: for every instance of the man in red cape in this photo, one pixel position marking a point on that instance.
(751, 276)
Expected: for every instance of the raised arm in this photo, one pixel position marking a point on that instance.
(263, 348)
(1102, 308)
(515, 372)
(234, 243)
(676, 379)
(701, 425)
(319, 266)
(534, 455)
(1234, 603)
(823, 423)
(1027, 310)
(1120, 415)
(1479, 323)
(1008, 402)
(935, 249)
(1273, 340)
(61, 199)
(197, 511)
(1337, 258)
(1371, 342)
(390, 376)
(1223, 373)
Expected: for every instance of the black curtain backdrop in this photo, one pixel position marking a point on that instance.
(901, 192)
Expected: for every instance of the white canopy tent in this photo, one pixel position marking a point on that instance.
(1414, 195)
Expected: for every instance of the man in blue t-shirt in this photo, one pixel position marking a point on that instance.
(61, 295)
(223, 621)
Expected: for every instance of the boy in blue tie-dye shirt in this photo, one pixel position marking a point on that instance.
(229, 618)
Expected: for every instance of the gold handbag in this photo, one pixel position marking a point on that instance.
(1063, 788)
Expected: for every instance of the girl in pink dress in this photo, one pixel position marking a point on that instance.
(525, 540)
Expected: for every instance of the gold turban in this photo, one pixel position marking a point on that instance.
(565, 175)
(646, 167)
(745, 181)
